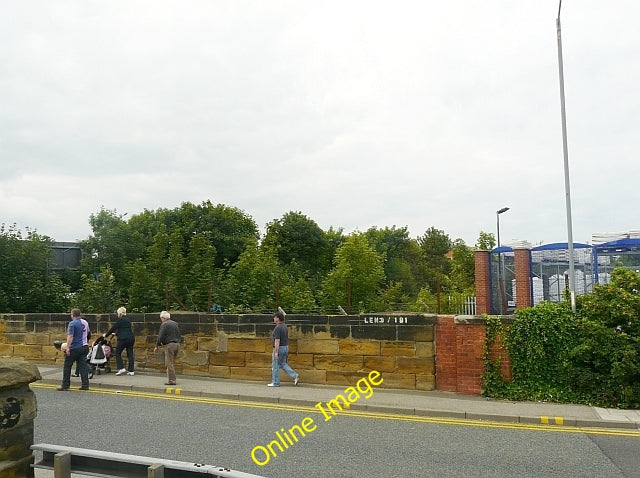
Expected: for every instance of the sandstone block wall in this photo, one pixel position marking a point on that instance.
(323, 349)
(17, 412)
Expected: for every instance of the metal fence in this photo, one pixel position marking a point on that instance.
(463, 305)
(550, 271)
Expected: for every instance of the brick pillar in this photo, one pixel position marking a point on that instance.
(459, 345)
(470, 339)
(446, 354)
(483, 284)
(522, 263)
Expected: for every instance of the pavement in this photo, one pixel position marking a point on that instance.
(436, 404)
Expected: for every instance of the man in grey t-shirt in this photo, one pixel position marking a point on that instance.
(280, 342)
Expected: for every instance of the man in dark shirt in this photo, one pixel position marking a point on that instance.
(169, 339)
(280, 341)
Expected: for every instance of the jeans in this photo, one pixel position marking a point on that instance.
(78, 355)
(126, 344)
(281, 363)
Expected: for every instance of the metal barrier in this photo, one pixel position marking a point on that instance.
(64, 460)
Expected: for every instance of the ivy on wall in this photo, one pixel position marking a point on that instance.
(493, 380)
(591, 356)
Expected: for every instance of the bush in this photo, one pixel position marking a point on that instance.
(592, 356)
(538, 343)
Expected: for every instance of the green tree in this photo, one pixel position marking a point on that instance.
(606, 360)
(143, 296)
(617, 304)
(112, 244)
(401, 257)
(355, 280)
(298, 297)
(99, 294)
(335, 238)
(436, 267)
(27, 284)
(228, 229)
(252, 281)
(176, 277)
(426, 301)
(121, 243)
(165, 271)
(486, 241)
(462, 268)
(391, 298)
(297, 238)
(201, 277)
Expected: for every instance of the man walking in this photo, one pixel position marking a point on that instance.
(77, 350)
(280, 341)
(169, 339)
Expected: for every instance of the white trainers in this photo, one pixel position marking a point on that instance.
(296, 380)
(122, 371)
(130, 373)
(272, 385)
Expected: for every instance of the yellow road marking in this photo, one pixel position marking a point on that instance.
(545, 420)
(559, 427)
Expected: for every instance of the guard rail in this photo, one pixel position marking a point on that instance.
(64, 460)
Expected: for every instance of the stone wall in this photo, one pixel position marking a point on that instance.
(17, 412)
(323, 349)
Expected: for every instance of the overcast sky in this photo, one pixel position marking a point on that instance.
(355, 113)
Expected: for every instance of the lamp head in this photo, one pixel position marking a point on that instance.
(500, 211)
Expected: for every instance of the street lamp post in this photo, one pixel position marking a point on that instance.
(503, 304)
(572, 276)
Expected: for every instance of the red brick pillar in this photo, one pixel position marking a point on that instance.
(522, 263)
(470, 339)
(483, 284)
(446, 354)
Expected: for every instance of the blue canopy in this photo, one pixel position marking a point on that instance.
(559, 246)
(544, 247)
(501, 249)
(619, 245)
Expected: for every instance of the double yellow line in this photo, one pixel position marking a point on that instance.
(547, 423)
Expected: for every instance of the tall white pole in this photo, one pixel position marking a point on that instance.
(567, 188)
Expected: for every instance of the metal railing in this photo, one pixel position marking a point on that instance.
(463, 305)
(64, 460)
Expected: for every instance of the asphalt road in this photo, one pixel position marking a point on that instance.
(348, 445)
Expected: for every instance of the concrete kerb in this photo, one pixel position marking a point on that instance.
(580, 423)
(544, 420)
(462, 407)
(441, 414)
